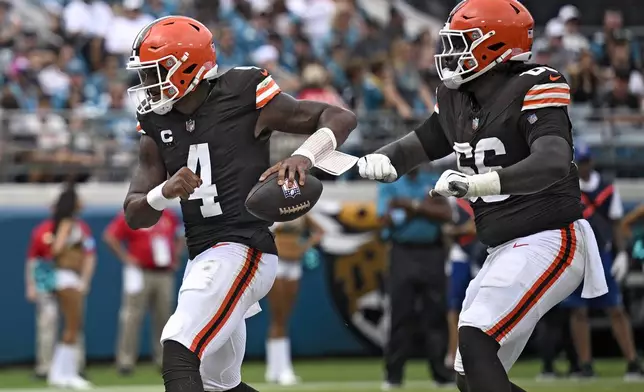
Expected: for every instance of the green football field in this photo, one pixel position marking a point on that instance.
(331, 375)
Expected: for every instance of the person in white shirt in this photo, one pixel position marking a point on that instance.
(125, 28)
(87, 17)
(573, 40)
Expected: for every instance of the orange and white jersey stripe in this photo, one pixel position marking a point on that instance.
(139, 129)
(547, 95)
(266, 90)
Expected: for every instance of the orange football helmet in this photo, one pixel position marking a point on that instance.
(480, 34)
(172, 55)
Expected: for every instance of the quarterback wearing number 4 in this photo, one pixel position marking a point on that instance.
(208, 133)
(508, 124)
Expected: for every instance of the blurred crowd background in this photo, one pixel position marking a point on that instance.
(63, 83)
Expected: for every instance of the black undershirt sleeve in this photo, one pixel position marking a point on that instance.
(548, 133)
(432, 137)
(425, 143)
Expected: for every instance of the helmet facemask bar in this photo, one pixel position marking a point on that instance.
(457, 63)
(156, 92)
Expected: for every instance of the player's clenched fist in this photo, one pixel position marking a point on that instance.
(182, 184)
(377, 167)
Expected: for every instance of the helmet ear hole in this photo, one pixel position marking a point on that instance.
(182, 82)
(496, 46)
(190, 69)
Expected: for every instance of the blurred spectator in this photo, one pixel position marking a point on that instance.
(620, 97)
(229, 54)
(407, 88)
(336, 65)
(344, 29)
(550, 49)
(267, 57)
(23, 84)
(373, 41)
(584, 79)
(352, 92)
(316, 86)
(9, 25)
(614, 31)
(620, 60)
(373, 88)
(150, 258)
(316, 17)
(573, 40)
(303, 51)
(285, 47)
(124, 28)
(396, 27)
(416, 275)
(160, 8)
(87, 18)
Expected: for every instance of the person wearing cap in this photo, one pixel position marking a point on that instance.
(125, 28)
(613, 32)
(573, 40)
(603, 209)
(551, 49)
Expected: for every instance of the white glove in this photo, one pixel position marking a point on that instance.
(452, 183)
(377, 167)
(620, 266)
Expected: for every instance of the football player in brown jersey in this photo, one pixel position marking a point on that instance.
(508, 124)
(204, 141)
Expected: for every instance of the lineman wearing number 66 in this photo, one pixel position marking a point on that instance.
(210, 133)
(508, 124)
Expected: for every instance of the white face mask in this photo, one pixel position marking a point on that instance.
(156, 93)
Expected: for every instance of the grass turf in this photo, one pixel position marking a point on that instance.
(332, 375)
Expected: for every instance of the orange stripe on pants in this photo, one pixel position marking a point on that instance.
(241, 282)
(540, 287)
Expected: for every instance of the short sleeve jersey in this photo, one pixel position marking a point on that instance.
(218, 143)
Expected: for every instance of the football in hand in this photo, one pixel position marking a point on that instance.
(274, 203)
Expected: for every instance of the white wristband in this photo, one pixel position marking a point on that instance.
(487, 184)
(156, 199)
(320, 144)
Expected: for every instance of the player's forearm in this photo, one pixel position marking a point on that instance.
(548, 162)
(340, 121)
(116, 247)
(405, 153)
(138, 212)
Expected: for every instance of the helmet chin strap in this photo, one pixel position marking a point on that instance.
(455, 81)
(167, 107)
(163, 109)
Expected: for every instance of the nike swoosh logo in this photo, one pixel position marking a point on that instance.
(554, 78)
(519, 245)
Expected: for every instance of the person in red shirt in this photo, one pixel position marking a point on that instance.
(61, 260)
(150, 258)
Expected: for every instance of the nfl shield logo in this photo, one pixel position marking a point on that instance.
(290, 189)
(190, 125)
(475, 123)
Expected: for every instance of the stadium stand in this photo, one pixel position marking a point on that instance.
(64, 105)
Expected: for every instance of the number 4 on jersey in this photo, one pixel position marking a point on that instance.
(199, 155)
